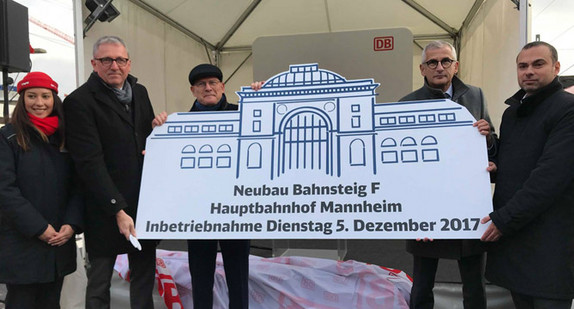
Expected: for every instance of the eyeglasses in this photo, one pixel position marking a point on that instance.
(445, 62)
(107, 61)
(211, 83)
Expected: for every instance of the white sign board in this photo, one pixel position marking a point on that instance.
(311, 155)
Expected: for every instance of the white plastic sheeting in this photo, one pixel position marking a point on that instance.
(288, 282)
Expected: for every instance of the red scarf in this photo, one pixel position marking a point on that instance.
(48, 125)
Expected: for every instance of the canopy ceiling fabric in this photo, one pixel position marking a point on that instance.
(231, 25)
(168, 37)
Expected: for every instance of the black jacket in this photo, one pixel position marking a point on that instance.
(534, 196)
(106, 143)
(36, 189)
(472, 98)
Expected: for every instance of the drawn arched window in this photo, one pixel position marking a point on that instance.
(389, 156)
(223, 161)
(254, 156)
(224, 148)
(389, 142)
(429, 140)
(408, 141)
(205, 149)
(430, 151)
(357, 153)
(205, 160)
(188, 149)
(187, 159)
(410, 155)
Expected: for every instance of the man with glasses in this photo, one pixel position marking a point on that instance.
(438, 67)
(108, 119)
(208, 89)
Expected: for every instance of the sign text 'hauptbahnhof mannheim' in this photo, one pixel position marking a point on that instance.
(312, 155)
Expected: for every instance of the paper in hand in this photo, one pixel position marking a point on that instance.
(135, 242)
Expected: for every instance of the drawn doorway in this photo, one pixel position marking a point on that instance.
(305, 143)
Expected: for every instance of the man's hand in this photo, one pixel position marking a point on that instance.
(492, 233)
(491, 167)
(48, 234)
(483, 127)
(66, 232)
(125, 224)
(160, 119)
(257, 85)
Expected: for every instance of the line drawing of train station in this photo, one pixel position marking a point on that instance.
(312, 120)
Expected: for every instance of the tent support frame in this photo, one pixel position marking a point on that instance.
(214, 51)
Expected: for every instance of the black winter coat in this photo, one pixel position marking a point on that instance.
(534, 196)
(106, 143)
(472, 98)
(36, 189)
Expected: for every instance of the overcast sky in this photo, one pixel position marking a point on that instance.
(553, 20)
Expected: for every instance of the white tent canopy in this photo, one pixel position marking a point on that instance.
(234, 24)
(167, 38)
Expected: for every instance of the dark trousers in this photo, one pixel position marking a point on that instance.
(202, 255)
(522, 301)
(34, 296)
(142, 279)
(471, 272)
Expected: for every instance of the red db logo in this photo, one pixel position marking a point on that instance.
(384, 43)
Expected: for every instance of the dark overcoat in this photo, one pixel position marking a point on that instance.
(473, 99)
(36, 189)
(106, 142)
(534, 196)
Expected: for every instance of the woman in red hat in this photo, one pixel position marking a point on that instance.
(40, 210)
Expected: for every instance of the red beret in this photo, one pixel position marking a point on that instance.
(37, 80)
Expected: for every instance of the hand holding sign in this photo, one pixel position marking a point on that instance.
(310, 155)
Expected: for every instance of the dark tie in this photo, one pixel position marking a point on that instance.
(447, 96)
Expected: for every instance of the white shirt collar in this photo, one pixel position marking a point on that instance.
(449, 90)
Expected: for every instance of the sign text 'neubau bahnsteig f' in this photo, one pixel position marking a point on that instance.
(312, 155)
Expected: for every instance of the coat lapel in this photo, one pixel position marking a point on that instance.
(106, 97)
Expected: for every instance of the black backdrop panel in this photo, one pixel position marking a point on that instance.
(14, 37)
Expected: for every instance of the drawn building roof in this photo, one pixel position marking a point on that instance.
(303, 75)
